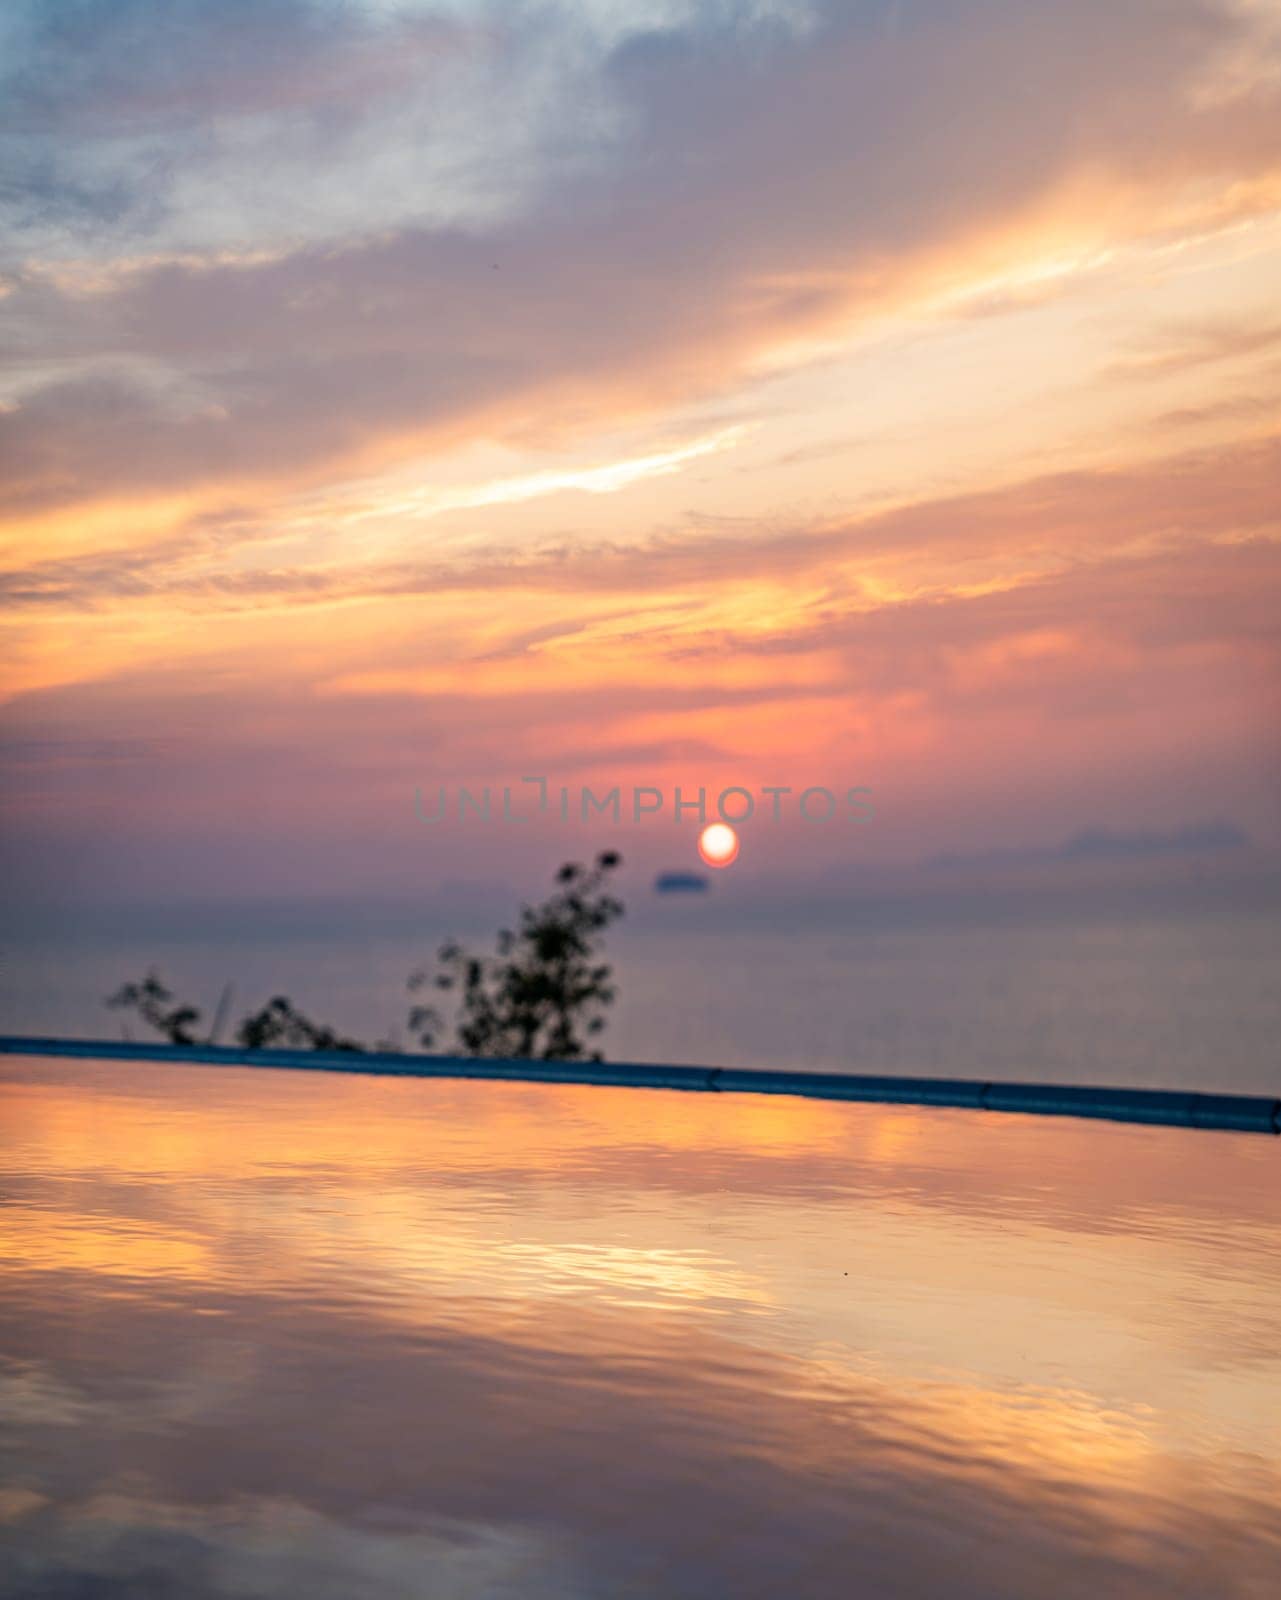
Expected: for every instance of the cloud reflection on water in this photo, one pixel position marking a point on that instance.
(268, 1336)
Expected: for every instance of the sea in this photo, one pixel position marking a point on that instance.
(1190, 1001)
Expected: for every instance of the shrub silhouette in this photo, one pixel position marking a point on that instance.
(280, 1025)
(149, 999)
(543, 995)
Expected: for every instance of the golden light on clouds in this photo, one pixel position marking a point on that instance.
(887, 462)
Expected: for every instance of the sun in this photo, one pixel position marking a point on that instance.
(718, 844)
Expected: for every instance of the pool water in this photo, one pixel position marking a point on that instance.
(282, 1334)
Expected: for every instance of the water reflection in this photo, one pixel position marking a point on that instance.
(270, 1335)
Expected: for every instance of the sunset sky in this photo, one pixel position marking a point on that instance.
(633, 391)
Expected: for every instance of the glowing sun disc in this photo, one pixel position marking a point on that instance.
(718, 844)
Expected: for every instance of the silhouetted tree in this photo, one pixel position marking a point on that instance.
(543, 995)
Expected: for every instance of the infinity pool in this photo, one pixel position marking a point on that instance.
(296, 1335)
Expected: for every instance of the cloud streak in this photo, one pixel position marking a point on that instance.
(1199, 497)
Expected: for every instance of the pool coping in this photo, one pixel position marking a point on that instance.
(1164, 1107)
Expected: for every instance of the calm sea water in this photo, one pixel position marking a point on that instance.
(266, 1335)
(1191, 1003)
